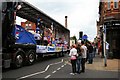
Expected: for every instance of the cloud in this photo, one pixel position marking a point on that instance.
(82, 14)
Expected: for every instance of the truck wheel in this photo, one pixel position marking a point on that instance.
(19, 58)
(31, 57)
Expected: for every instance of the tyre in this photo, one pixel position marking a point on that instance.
(31, 57)
(19, 59)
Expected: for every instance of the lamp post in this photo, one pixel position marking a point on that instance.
(104, 41)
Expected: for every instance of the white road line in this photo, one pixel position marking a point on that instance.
(54, 72)
(62, 60)
(58, 68)
(47, 76)
(40, 71)
(57, 62)
(47, 67)
(30, 75)
(62, 66)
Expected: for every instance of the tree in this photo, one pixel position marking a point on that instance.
(74, 38)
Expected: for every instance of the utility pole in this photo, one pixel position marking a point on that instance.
(104, 41)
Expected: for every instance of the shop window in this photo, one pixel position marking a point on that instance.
(108, 4)
(116, 4)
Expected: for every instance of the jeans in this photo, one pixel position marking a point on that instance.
(83, 60)
(78, 64)
(90, 58)
(87, 56)
(73, 62)
(107, 53)
(94, 52)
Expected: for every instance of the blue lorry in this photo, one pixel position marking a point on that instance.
(19, 46)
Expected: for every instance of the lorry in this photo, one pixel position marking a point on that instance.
(19, 46)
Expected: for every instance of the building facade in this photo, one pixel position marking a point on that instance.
(109, 16)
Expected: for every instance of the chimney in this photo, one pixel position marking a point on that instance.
(66, 21)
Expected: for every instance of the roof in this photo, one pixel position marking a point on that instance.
(32, 13)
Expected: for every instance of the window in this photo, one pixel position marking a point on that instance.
(108, 4)
(115, 3)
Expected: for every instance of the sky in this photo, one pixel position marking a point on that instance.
(82, 14)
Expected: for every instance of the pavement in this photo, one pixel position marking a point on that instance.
(98, 70)
(98, 64)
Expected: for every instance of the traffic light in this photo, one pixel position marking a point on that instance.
(80, 35)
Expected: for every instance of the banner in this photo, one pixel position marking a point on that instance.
(58, 49)
(41, 49)
(50, 49)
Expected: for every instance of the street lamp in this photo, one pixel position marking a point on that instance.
(104, 41)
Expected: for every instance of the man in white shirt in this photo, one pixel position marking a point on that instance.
(84, 55)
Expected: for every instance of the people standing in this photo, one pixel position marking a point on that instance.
(107, 49)
(90, 53)
(84, 55)
(73, 57)
(37, 37)
(78, 59)
(94, 49)
(87, 54)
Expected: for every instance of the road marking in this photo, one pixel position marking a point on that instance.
(47, 76)
(40, 71)
(62, 66)
(67, 62)
(47, 67)
(62, 60)
(54, 72)
(30, 75)
(58, 68)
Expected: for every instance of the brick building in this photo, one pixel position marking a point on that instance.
(109, 16)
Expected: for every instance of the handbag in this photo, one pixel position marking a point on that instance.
(73, 57)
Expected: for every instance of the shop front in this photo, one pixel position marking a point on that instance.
(113, 37)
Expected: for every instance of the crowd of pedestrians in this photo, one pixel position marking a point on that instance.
(80, 54)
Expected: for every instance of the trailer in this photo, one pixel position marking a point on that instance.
(19, 46)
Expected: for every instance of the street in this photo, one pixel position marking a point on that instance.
(53, 67)
(31, 28)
